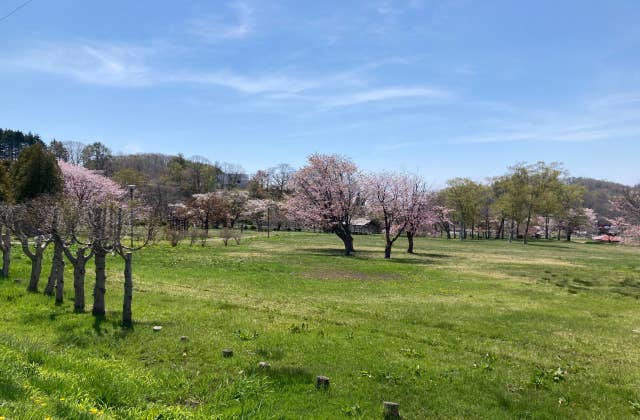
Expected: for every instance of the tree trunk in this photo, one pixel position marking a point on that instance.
(6, 252)
(387, 249)
(500, 228)
(36, 268)
(447, 229)
(410, 240)
(348, 244)
(511, 231)
(56, 276)
(569, 233)
(128, 291)
(344, 233)
(79, 272)
(100, 286)
(526, 229)
(546, 227)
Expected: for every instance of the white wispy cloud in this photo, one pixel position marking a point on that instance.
(234, 23)
(386, 94)
(128, 65)
(270, 83)
(92, 63)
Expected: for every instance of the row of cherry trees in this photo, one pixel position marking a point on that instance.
(330, 192)
(88, 220)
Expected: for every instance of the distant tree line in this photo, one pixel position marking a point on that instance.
(193, 195)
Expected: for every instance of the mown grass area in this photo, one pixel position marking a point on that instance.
(476, 329)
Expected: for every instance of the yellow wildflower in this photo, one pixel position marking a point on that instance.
(93, 410)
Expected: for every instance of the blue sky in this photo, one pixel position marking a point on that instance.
(444, 88)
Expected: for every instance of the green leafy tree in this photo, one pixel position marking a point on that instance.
(464, 196)
(58, 149)
(35, 173)
(98, 157)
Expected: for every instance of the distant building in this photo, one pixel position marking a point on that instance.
(233, 180)
(364, 226)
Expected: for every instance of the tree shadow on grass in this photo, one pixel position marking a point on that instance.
(548, 245)
(399, 257)
(431, 255)
(328, 252)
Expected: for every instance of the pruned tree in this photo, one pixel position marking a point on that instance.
(327, 192)
(55, 282)
(79, 259)
(28, 222)
(126, 252)
(87, 197)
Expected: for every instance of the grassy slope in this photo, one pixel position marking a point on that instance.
(460, 330)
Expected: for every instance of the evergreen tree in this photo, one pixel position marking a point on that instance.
(36, 172)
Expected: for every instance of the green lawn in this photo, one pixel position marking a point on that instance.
(476, 329)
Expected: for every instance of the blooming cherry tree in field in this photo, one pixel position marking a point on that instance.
(398, 200)
(421, 213)
(327, 192)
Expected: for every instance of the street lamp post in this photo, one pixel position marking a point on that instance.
(131, 189)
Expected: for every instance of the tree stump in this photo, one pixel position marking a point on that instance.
(227, 352)
(322, 382)
(391, 410)
(264, 365)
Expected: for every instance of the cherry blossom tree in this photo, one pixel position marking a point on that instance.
(256, 211)
(421, 213)
(628, 206)
(210, 208)
(399, 201)
(441, 218)
(235, 201)
(327, 192)
(86, 188)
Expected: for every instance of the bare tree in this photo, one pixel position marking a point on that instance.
(281, 176)
(198, 165)
(74, 150)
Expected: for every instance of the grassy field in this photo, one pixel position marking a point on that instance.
(476, 329)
